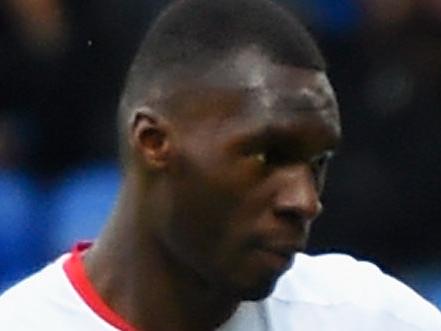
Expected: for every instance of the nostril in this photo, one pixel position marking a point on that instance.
(291, 215)
(298, 213)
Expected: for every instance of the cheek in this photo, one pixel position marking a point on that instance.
(200, 212)
(247, 173)
(235, 179)
(215, 202)
(220, 168)
(203, 237)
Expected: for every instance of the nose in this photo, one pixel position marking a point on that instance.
(297, 196)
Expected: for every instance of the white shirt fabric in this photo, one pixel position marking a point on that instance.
(330, 292)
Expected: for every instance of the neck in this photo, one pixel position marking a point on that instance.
(148, 288)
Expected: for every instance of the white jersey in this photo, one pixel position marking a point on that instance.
(324, 293)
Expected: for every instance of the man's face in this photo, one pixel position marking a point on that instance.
(250, 152)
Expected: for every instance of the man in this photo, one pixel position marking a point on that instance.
(227, 124)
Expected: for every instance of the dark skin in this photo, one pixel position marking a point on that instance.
(224, 183)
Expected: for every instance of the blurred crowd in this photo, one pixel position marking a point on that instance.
(62, 65)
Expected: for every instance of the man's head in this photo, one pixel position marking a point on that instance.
(228, 121)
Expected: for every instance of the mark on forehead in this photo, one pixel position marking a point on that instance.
(268, 99)
(289, 101)
(252, 64)
(308, 99)
(257, 78)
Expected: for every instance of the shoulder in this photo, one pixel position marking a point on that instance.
(27, 304)
(48, 300)
(338, 280)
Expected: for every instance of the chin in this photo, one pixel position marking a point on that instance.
(258, 288)
(256, 291)
(253, 285)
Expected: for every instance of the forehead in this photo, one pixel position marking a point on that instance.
(250, 68)
(247, 84)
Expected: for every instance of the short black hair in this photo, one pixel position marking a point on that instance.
(189, 31)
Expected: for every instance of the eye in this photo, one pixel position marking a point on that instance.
(321, 161)
(319, 165)
(270, 157)
(260, 158)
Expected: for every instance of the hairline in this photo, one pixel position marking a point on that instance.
(165, 81)
(196, 70)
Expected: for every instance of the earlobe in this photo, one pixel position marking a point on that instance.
(149, 139)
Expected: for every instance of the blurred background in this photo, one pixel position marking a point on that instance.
(62, 66)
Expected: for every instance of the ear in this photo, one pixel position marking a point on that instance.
(150, 138)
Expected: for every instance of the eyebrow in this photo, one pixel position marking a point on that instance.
(290, 101)
(302, 102)
(271, 133)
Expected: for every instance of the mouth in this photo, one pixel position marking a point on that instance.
(277, 245)
(286, 250)
(278, 256)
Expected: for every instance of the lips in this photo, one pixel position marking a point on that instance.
(283, 244)
(273, 260)
(286, 250)
(278, 241)
(276, 255)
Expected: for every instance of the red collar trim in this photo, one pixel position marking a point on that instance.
(76, 273)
